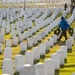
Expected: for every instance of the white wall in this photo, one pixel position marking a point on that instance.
(36, 0)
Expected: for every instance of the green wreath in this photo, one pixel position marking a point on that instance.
(71, 31)
(57, 31)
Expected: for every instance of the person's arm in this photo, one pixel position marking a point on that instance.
(59, 27)
(68, 25)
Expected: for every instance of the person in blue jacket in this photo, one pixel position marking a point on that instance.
(64, 27)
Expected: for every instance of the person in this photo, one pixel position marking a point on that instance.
(72, 7)
(64, 26)
(65, 6)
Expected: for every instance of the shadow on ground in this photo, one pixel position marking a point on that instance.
(57, 72)
(22, 52)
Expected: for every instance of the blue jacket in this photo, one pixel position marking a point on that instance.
(64, 25)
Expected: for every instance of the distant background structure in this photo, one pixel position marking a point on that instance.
(72, 2)
(33, 3)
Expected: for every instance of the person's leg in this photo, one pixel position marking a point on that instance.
(62, 33)
(65, 35)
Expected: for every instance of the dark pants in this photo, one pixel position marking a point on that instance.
(63, 34)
